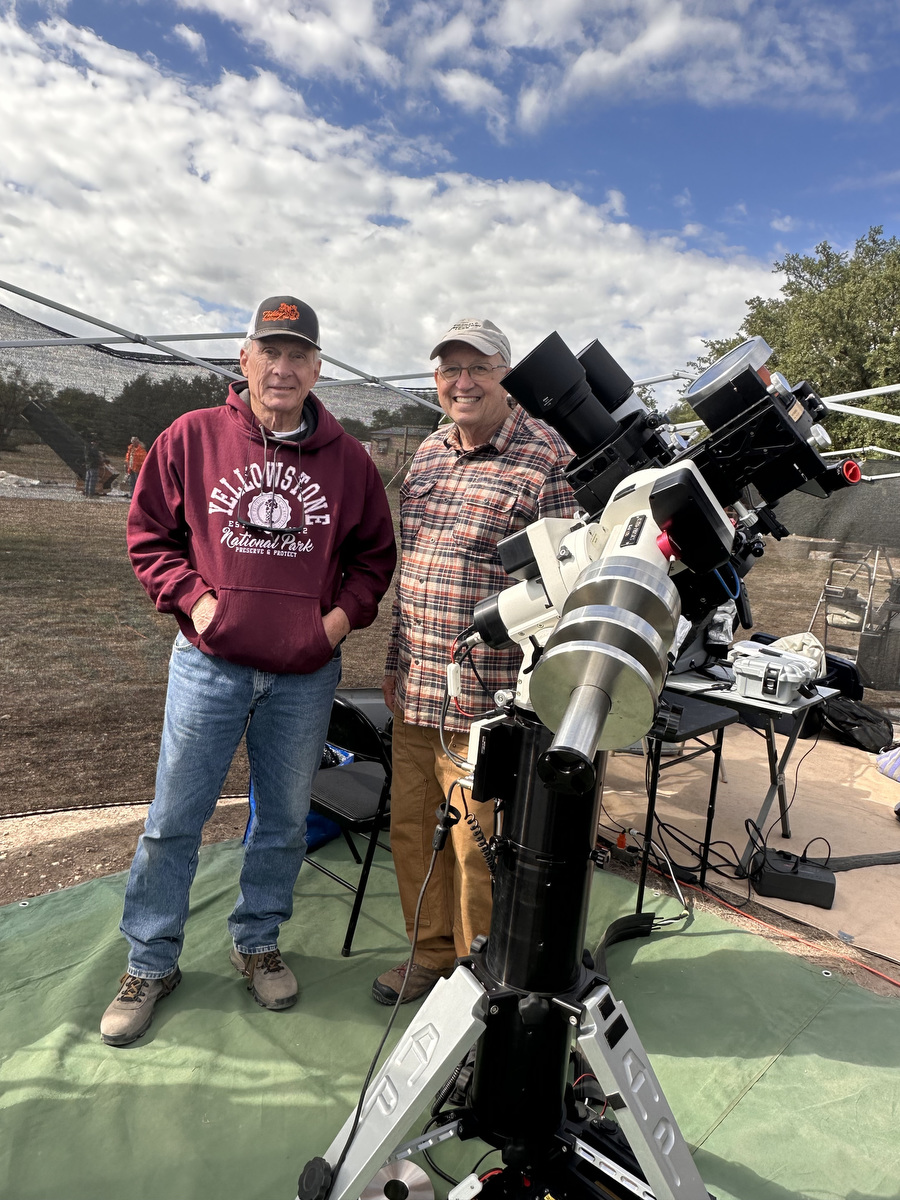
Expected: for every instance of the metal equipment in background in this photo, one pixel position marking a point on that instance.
(860, 603)
(64, 441)
(664, 536)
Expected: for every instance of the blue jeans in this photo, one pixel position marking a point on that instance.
(210, 704)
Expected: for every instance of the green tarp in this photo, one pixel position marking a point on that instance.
(784, 1078)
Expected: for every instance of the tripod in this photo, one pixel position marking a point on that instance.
(519, 998)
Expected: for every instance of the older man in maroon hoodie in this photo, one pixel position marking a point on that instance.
(265, 530)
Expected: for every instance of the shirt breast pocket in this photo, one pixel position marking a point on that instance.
(414, 497)
(487, 514)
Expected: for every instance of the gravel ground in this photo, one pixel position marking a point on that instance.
(18, 487)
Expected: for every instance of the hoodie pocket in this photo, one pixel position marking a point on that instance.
(271, 631)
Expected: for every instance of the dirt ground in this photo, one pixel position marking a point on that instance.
(83, 663)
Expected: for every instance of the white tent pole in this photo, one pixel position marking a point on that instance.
(879, 391)
(139, 339)
(862, 412)
(31, 343)
(135, 337)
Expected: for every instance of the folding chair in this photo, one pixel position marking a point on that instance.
(356, 796)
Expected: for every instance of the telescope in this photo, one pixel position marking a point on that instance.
(665, 534)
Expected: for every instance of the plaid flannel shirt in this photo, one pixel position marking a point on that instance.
(455, 506)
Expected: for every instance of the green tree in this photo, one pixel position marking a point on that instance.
(837, 324)
(145, 407)
(16, 390)
(355, 428)
(406, 414)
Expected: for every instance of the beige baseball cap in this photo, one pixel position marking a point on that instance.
(483, 335)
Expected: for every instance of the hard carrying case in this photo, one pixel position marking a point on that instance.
(762, 673)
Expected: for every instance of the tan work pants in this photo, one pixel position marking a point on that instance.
(457, 904)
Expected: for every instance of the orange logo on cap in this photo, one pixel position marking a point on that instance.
(284, 312)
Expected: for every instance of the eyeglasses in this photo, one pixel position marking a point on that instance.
(271, 530)
(261, 517)
(477, 372)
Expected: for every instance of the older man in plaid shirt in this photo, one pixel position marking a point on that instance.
(491, 472)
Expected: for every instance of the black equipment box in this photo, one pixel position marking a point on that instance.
(788, 877)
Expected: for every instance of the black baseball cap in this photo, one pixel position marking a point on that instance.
(284, 316)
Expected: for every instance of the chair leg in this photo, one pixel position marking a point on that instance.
(655, 747)
(378, 827)
(361, 888)
(353, 850)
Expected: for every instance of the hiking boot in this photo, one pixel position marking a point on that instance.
(268, 977)
(130, 1014)
(386, 987)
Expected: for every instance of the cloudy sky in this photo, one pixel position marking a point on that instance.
(628, 169)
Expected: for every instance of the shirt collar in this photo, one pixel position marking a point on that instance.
(498, 444)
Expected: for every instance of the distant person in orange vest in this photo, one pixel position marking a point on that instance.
(135, 453)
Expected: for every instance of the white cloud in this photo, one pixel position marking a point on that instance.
(784, 224)
(156, 200)
(194, 41)
(684, 201)
(472, 93)
(548, 56)
(711, 52)
(339, 38)
(615, 205)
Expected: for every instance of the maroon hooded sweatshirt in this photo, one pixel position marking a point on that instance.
(215, 467)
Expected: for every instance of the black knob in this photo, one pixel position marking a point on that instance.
(315, 1182)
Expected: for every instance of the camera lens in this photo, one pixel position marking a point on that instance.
(550, 383)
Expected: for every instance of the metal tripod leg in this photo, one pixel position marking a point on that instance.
(447, 1025)
(612, 1047)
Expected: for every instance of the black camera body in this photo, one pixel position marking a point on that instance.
(763, 443)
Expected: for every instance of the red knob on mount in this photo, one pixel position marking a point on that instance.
(667, 546)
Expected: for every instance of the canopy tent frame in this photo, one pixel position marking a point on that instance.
(159, 342)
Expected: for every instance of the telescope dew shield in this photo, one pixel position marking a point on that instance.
(550, 384)
(762, 430)
(713, 396)
(608, 381)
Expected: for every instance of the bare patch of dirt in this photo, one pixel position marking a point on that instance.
(44, 854)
